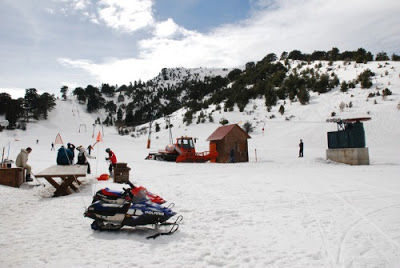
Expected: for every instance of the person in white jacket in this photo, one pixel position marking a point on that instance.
(22, 160)
(83, 156)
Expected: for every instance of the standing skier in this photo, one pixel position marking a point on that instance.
(83, 156)
(89, 148)
(301, 146)
(113, 161)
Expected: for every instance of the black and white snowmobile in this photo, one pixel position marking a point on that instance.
(134, 213)
(119, 197)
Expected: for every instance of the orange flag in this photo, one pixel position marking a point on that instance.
(99, 137)
(59, 139)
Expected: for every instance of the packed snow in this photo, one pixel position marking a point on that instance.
(277, 210)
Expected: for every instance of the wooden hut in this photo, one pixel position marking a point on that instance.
(226, 138)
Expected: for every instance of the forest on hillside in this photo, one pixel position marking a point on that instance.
(22, 110)
(272, 78)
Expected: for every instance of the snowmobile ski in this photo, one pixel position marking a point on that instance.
(173, 229)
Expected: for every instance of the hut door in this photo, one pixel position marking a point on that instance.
(213, 148)
(242, 147)
(243, 152)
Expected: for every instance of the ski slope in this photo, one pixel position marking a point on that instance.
(278, 210)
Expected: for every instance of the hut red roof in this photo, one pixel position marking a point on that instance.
(221, 132)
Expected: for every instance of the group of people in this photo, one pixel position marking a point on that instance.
(66, 156)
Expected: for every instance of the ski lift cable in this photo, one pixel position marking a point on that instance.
(97, 165)
(98, 140)
(297, 122)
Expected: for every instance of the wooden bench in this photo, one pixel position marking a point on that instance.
(13, 177)
(68, 175)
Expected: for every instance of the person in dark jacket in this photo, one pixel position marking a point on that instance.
(71, 147)
(64, 156)
(301, 146)
(90, 148)
(232, 156)
(113, 161)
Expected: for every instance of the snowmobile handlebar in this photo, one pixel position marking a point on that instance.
(131, 185)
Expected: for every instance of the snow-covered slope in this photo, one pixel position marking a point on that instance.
(173, 76)
(278, 210)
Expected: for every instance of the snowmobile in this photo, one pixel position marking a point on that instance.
(119, 197)
(142, 212)
(136, 210)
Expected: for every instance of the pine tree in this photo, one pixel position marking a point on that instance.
(129, 118)
(64, 91)
(365, 78)
(248, 127)
(119, 114)
(381, 56)
(281, 110)
(303, 96)
(344, 86)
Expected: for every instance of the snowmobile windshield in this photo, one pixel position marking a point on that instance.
(140, 193)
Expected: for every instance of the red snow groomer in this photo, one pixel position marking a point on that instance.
(182, 151)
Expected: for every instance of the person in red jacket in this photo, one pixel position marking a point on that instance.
(113, 160)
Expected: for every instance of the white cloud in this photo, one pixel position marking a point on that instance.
(122, 15)
(126, 15)
(14, 92)
(305, 25)
(115, 71)
(81, 4)
(49, 10)
(166, 28)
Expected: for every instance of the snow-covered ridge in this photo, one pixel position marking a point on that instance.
(174, 76)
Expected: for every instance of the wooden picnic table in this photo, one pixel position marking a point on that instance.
(68, 175)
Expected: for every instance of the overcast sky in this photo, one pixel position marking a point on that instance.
(50, 43)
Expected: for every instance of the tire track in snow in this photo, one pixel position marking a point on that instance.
(363, 217)
(320, 229)
(342, 244)
(371, 193)
(341, 249)
(375, 187)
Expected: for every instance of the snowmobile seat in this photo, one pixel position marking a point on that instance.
(107, 209)
(106, 191)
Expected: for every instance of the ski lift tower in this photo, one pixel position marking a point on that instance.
(168, 124)
(149, 137)
(347, 144)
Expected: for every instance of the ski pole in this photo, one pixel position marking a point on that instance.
(38, 180)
